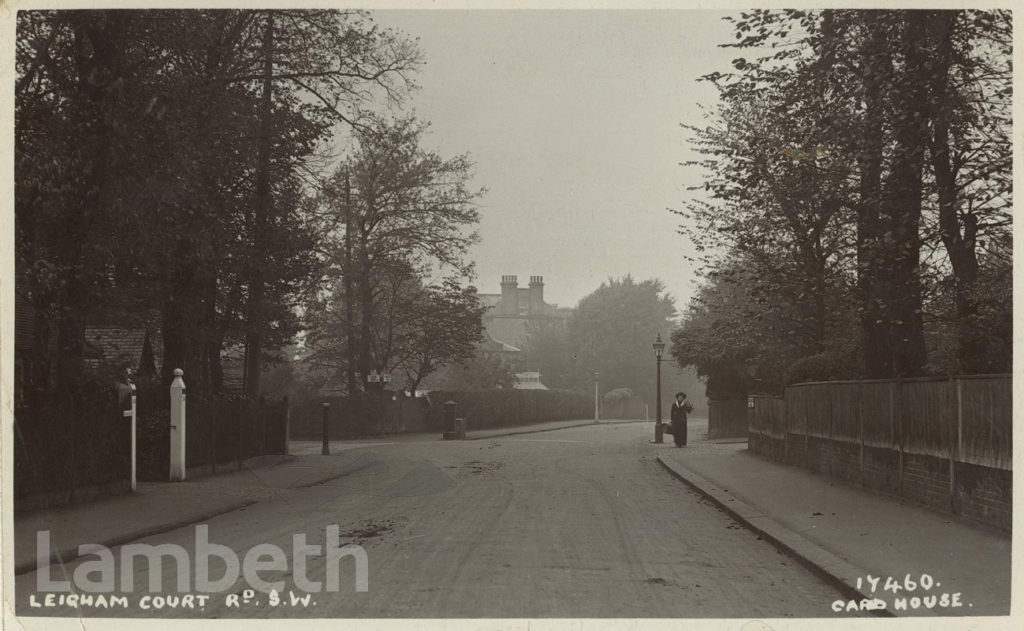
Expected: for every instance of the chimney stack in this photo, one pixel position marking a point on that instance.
(536, 295)
(509, 295)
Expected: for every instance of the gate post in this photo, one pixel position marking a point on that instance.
(132, 414)
(177, 427)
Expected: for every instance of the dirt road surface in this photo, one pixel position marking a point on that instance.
(579, 523)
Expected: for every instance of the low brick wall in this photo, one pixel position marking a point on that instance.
(981, 493)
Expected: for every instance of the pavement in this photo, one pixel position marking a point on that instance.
(845, 533)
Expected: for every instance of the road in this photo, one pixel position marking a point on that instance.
(578, 522)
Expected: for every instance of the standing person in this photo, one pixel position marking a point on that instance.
(680, 408)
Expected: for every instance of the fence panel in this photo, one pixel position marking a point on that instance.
(986, 434)
(796, 410)
(777, 418)
(809, 409)
(65, 442)
(926, 409)
(845, 411)
(877, 409)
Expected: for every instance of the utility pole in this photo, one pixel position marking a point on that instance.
(350, 346)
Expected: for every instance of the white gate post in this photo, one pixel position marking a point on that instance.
(177, 427)
(132, 414)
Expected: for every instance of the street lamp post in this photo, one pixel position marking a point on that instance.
(659, 349)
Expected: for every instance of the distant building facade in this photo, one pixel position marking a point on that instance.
(510, 312)
(507, 324)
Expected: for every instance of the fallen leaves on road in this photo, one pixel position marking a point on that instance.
(369, 530)
(476, 467)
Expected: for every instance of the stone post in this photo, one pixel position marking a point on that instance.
(177, 427)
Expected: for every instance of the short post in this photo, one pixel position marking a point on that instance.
(325, 449)
(287, 425)
(451, 432)
(177, 473)
(449, 415)
(132, 415)
(212, 423)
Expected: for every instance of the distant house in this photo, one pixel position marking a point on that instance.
(232, 365)
(111, 349)
(510, 312)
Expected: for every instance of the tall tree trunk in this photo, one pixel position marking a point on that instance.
(902, 204)
(182, 337)
(99, 80)
(959, 245)
(254, 337)
(876, 69)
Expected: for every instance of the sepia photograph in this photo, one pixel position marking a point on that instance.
(488, 317)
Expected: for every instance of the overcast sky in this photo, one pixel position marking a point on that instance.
(572, 118)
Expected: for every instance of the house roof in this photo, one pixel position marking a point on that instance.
(491, 345)
(115, 346)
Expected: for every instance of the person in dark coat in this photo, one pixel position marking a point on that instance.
(680, 408)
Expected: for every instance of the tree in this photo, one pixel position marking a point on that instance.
(611, 333)
(618, 397)
(446, 328)
(193, 136)
(480, 372)
(869, 193)
(546, 350)
(417, 328)
(405, 204)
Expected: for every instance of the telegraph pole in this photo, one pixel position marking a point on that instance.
(349, 325)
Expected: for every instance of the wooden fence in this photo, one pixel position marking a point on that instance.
(944, 441)
(727, 418)
(221, 431)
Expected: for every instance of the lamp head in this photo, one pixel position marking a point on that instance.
(659, 347)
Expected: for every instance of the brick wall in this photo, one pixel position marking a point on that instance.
(881, 469)
(984, 494)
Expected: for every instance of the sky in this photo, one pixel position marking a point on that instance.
(573, 121)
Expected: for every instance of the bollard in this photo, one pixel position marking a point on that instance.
(325, 449)
(448, 420)
(177, 473)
